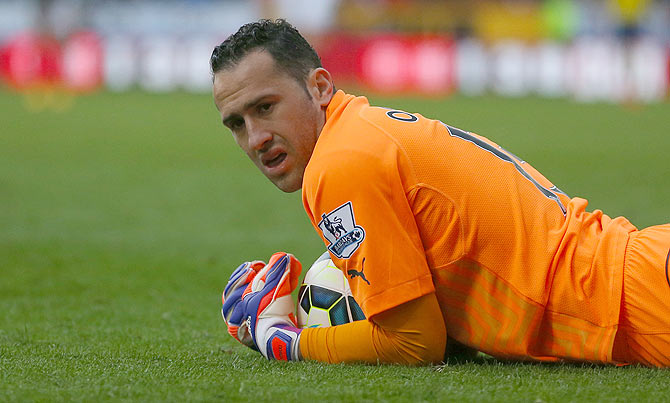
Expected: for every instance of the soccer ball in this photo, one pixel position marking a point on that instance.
(325, 298)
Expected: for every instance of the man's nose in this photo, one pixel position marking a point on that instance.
(258, 135)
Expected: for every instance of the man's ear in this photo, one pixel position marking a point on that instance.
(321, 86)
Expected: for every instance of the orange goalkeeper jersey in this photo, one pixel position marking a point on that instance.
(408, 206)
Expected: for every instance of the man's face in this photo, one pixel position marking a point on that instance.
(272, 118)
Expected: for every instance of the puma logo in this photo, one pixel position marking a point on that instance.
(355, 273)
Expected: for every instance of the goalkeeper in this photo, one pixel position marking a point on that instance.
(455, 238)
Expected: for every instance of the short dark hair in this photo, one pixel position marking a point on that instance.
(290, 50)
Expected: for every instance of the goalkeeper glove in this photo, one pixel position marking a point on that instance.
(231, 310)
(266, 307)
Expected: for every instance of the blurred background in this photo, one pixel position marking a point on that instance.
(588, 50)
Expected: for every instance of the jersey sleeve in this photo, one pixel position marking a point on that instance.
(357, 203)
(410, 334)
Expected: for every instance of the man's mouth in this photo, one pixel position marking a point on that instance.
(273, 162)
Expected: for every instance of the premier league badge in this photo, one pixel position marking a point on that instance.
(340, 229)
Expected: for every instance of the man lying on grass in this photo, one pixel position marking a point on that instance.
(458, 238)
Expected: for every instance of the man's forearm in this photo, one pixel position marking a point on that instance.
(412, 334)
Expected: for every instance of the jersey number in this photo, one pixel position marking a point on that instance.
(551, 193)
(402, 116)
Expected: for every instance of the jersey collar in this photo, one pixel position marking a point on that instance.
(337, 103)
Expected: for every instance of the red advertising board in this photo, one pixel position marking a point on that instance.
(31, 60)
(392, 63)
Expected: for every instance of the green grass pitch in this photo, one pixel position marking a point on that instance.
(122, 217)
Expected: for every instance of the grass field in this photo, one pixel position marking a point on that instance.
(121, 219)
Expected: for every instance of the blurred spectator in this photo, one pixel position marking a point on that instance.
(628, 13)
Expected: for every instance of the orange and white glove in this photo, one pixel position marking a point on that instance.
(265, 309)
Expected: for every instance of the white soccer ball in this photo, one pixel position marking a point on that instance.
(325, 298)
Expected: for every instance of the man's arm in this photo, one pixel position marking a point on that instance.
(412, 334)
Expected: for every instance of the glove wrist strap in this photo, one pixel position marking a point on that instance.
(283, 344)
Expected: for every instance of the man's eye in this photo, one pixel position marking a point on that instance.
(236, 124)
(264, 107)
